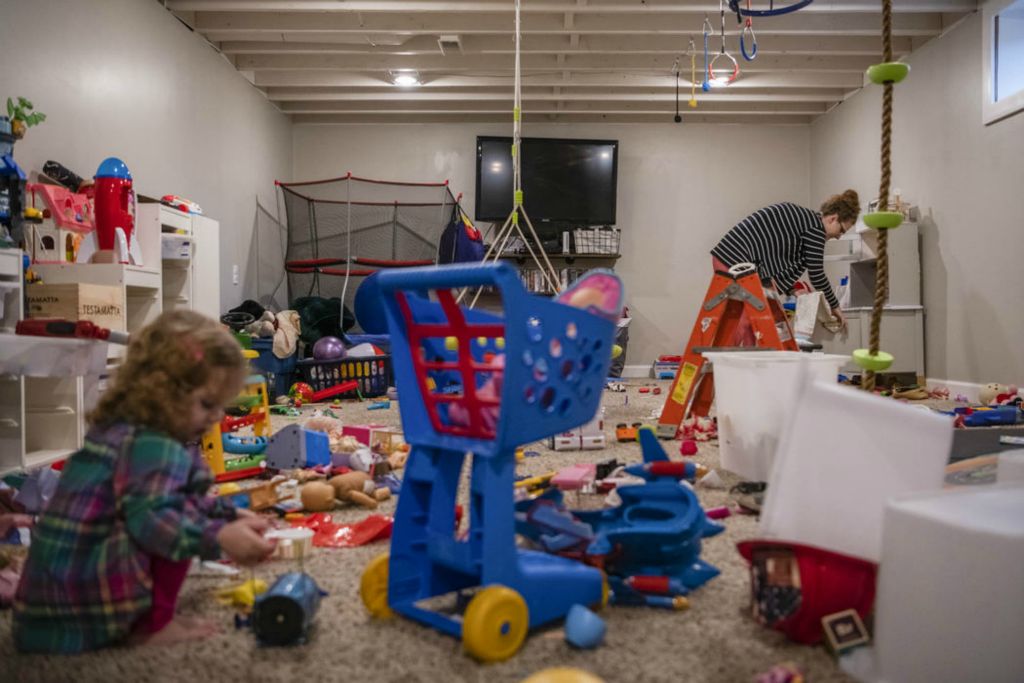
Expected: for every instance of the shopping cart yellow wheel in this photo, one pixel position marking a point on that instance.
(495, 624)
(373, 587)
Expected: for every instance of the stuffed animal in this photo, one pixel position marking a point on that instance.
(359, 488)
(997, 394)
(317, 496)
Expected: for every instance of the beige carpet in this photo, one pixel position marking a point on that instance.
(715, 641)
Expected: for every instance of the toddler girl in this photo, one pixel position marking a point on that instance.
(110, 552)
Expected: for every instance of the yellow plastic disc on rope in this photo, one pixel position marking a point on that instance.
(883, 220)
(875, 363)
(888, 72)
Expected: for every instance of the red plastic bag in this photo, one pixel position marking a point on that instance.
(328, 534)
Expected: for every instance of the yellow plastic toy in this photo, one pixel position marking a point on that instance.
(254, 396)
(563, 674)
(243, 595)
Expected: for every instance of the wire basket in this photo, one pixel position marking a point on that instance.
(596, 240)
(373, 374)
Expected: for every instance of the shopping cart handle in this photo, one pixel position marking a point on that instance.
(446, 277)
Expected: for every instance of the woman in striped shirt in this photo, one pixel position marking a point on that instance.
(784, 240)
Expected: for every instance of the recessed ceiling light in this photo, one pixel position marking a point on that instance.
(405, 78)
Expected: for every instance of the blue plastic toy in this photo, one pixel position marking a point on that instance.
(480, 383)
(283, 614)
(243, 445)
(297, 447)
(649, 545)
(583, 628)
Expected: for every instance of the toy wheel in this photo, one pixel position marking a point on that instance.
(495, 624)
(373, 587)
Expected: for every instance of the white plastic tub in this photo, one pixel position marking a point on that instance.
(950, 603)
(754, 390)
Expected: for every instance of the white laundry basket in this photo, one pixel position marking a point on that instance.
(754, 390)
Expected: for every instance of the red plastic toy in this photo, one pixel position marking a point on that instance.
(114, 206)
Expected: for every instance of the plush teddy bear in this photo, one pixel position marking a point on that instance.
(998, 394)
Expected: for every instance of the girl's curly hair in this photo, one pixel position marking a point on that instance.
(166, 361)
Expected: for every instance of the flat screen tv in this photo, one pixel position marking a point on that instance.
(565, 182)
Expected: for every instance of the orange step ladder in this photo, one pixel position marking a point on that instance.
(731, 293)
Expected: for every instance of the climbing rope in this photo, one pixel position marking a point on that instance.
(882, 263)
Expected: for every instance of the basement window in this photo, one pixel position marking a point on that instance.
(1003, 45)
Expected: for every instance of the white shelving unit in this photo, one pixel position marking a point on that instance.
(192, 282)
(902, 332)
(141, 288)
(46, 385)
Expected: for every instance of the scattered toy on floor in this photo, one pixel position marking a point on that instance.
(283, 614)
(688, 447)
(242, 596)
(583, 628)
(358, 488)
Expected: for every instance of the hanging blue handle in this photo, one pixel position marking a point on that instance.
(753, 43)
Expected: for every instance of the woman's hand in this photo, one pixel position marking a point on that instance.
(837, 313)
(244, 513)
(242, 540)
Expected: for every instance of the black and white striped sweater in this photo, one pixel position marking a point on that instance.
(782, 240)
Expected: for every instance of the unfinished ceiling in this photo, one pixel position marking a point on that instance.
(333, 61)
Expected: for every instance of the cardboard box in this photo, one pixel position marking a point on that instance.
(100, 304)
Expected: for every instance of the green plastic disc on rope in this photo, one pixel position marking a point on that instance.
(888, 72)
(883, 220)
(877, 363)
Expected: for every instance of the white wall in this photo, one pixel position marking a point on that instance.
(124, 78)
(680, 188)
(967, 179)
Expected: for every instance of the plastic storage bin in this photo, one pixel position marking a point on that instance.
(843, 454)
(951, 587)
(373, 374)
(754, 392)
(278, 371)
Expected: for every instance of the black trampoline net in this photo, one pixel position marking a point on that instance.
(360, 225)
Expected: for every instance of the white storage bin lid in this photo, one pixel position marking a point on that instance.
(843, 455)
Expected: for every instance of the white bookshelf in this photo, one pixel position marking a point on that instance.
(902, 330)
(46, 387)
(193, 282)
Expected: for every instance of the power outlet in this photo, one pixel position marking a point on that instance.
(234, 274)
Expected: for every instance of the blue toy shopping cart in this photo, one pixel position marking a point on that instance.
(479, 384)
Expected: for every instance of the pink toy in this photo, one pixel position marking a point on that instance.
(489, 391)
(115, 210)
(720, 512)
(67, 233)
(575, 477)
(599, 292)
(688, 447)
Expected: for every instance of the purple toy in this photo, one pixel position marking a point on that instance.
(328, 348)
